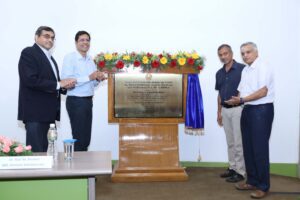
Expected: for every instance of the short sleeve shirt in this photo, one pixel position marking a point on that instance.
(227, 82)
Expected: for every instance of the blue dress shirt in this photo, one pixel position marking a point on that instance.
(79, 67)
(228, 82)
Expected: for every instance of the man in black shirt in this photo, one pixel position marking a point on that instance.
(227, 81)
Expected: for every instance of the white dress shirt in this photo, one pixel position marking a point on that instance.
(48, 55)
(255, 77)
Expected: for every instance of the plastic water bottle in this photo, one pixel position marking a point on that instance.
(52, 146)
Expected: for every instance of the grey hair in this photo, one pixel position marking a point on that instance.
(40, 29)
(254, 46)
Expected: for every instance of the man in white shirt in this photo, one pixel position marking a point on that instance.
(257, 93)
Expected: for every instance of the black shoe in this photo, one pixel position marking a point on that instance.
(235, 178)
(227, 173)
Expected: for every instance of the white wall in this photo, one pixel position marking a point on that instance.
(157, 25)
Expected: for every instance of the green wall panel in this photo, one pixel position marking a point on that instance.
(53, 189)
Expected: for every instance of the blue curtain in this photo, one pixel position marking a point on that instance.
(194, 118)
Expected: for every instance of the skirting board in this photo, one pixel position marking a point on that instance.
(283, 169)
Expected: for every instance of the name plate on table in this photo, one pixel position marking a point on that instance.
(26, 162)
(148, 95)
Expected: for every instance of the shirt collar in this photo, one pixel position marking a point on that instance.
(46, 52)
(233, 65)
(80, 57)
(254, 64)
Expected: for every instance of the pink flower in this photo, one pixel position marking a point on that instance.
(7, 141)
(28, 148)
(19, 149)
(6, 149)
(2, 138)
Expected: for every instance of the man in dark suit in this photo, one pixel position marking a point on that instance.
(39, 89)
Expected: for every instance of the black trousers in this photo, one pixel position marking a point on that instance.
(36, 135)
(80, 110)
(256, 126)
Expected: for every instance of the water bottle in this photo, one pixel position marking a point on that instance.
(52, 137)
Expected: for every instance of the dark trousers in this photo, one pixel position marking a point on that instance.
(256, 126)
(80, 110)
(36, 135)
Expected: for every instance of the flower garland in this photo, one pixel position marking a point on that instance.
(9, 147)
(148, 61)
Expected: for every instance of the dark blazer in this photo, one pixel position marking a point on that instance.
(39, 101)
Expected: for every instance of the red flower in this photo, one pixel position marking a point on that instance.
(169, 55)
(149, 55)
(133, 54)
(160, 55)
(101, 63)
(173, 63)
(115, 53)
(119, 64)
(136, 63)
(155, 64)
(190, 61)
(200, 67)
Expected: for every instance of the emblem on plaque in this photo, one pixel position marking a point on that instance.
(148, 76)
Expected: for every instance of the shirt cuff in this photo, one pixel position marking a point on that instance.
(57, 86)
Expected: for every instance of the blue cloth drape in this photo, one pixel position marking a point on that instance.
(194, 118)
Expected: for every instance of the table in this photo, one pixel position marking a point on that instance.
(65, 180)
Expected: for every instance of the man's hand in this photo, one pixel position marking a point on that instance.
(219, 119)
(68, 83)
(93, 76)
(235, 100)
(101, 76)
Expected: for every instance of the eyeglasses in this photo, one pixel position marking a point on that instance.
(47, 36)
(84, 40)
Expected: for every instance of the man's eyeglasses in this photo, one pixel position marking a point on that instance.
(84, 40)
(47, 36)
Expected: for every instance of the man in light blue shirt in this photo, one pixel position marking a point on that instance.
(79, 103)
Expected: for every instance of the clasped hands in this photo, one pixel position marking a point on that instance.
(68, 83)
(235, 100)
(97, 75)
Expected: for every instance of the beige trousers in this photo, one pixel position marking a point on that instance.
(231, 118)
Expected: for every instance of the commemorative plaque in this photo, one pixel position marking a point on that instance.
(148, 95)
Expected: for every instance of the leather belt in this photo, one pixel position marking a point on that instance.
(229, 106)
